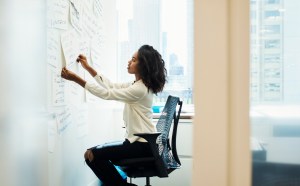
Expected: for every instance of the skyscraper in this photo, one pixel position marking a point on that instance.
(143, 28)
(266, 51)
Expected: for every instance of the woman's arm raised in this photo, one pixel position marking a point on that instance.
(83, 61)
(71, 76)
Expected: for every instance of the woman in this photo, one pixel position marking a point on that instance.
(150, 76)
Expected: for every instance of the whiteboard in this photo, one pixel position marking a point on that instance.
(79, 120)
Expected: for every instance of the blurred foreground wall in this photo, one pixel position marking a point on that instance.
(23, 135)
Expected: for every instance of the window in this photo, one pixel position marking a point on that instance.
(272, 14)
(253, 14)
(272, 29)
(167, 25)
(275, 92)
(272, 43)
(270, 2)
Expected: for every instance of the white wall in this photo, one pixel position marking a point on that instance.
(277, 129)
(24, 103)
(66, 164)
(23, 137)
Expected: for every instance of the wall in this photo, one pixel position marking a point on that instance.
(23, 135)
(277, 129)
(37, 147)
(78, 120)
(221, 124)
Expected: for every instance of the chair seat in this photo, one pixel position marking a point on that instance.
(138, 167)
(139, 173)
(135, 161)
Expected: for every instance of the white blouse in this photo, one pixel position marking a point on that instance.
(137, 114)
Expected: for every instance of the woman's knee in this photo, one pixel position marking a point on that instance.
(88, 155)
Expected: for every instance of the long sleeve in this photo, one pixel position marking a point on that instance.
(106, 83)
(129, 94)
(137, 114)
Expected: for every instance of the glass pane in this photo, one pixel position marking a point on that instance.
(167, 25)
(275, 92)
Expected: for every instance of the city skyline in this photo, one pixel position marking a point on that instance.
(174, 44)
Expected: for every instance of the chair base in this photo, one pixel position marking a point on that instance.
(147, 181)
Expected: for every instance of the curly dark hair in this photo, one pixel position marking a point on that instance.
(151, 68)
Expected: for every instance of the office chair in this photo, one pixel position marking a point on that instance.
(165, 158)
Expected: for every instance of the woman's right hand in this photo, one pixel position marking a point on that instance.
(82, 59)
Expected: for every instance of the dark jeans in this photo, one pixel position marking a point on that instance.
(103, 154)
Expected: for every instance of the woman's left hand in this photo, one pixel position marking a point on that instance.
(67, 74)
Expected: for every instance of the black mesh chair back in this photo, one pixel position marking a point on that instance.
(165, 158)
(167, 118)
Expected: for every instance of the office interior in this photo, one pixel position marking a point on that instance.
(241, 110)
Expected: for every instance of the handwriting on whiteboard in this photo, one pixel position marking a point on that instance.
(63, 119)
(70, 45)
(58, 14)
(58, 90)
